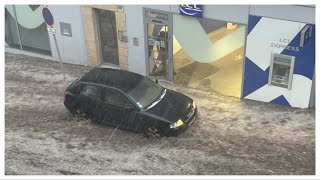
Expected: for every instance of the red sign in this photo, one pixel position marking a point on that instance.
(47, 16)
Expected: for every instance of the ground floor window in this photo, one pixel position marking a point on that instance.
(208, 54)
(25, 28)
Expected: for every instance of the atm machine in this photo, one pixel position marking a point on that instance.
(281, 70)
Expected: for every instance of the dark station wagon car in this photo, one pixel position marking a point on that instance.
(130, 101)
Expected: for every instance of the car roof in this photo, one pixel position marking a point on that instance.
(120, 79)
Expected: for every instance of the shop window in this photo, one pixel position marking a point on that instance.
(26, 29)
(11, 30)
(208, 54)
(281, 70)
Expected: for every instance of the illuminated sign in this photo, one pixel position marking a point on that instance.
(191, 10)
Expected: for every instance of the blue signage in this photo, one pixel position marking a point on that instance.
(193, 10)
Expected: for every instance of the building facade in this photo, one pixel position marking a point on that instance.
(258, 52)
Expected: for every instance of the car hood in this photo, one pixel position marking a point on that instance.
(172, 106)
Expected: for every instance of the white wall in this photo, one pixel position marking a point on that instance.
(134, 23)
(72, 49)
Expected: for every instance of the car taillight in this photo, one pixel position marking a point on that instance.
(65, 94)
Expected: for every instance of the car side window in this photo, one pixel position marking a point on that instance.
(77, 88)
(116, 98)
(91, 91)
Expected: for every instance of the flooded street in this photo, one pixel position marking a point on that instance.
(229, 137)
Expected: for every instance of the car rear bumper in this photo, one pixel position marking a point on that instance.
(68, 106)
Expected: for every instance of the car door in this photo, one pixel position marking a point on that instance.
(116, 108)
(87, 99)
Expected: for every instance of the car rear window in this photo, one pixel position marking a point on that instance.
(91, 91)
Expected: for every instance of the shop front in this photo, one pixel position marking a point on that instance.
(280, 62)
(194, 51)
(264, 57)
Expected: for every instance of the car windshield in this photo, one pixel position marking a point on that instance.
(145, 92)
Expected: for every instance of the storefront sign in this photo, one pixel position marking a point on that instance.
(283, 44)
(191, 10)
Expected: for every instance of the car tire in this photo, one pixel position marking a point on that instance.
(81, 114)
(153, 132)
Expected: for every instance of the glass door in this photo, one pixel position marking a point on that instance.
(158, 50)
(108, 37)
(158, 45)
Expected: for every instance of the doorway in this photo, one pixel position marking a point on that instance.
(108, 37)
(158, 44)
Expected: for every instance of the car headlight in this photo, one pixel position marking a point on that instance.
(177, 124)
(194, 105)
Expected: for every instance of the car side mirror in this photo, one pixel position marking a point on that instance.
(156, 81)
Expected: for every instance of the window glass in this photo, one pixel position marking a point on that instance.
(27, 21)
(158, 50)
(145, 92)
(77, 88)
(91, 91)
(208, 54)
(156, 15)
(108, 36)
(11, 31)
(116, 98)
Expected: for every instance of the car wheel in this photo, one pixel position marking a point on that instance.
(153, 132)
(81, 114)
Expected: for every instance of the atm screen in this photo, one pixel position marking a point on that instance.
(281, 70)
(282, 59)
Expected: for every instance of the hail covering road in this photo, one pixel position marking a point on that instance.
(230, 136)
